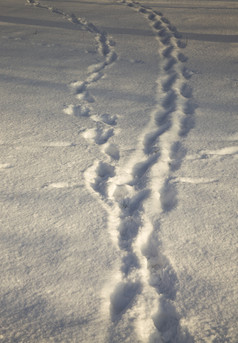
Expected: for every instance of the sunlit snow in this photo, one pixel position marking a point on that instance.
(118, 165)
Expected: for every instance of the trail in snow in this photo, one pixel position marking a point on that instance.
(135, 194)
(146, 285)
(104, 123)
(95, 72)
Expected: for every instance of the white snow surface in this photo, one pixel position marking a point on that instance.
(118, 164)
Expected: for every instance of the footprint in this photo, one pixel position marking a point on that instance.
(112, 151)
(95, 68)
(171, 62)
(78, 111)
(143, 10)
(157, 25)
(78, 86)
(163, 32)
(85, 96)
(128, 230)
(190, 107)
(94, 77)
(170, 99)
(162, 118)
(169, 82)
(109, 119)
(166, 39)
(129, 262)
(167, 51)
(103, 135)
(122, 297)
(151, 16)
(167, 320)
(131, 205)
(168, 196)
(99, 135)
(111, 57)
(140, 168)
(187, 123)
(150, 141)
(165, 20)
(182, 58)
(177, 154)
(99, 176)
(103, 44)
(186, 91)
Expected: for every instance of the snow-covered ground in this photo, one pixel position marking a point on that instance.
(118, 165)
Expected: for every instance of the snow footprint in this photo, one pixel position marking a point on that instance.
(77, 111)
(102, 132)
(161, 155)
(97, 177)
(122, 298)
(112, 151)
(99, 135)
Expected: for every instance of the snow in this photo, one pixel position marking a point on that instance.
(118, 171)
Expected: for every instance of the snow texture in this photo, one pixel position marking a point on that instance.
(118, 164)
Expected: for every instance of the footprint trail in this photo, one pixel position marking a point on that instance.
(142, 190)
(105, 48)
(104, 123)
(137, 193)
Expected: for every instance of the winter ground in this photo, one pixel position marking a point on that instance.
(118, 171)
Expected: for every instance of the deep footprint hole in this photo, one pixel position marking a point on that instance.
(122, 298)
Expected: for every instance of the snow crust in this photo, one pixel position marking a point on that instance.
(118, 167)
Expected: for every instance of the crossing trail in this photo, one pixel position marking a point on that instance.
(118, 213)
(135, 193)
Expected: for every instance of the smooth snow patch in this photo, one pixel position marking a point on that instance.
(195, 180)
(5, 166)
(225, 151)
(233, 137)
(61, 184)
(58, 144)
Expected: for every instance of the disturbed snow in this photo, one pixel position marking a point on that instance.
(118, 165)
